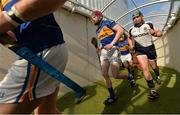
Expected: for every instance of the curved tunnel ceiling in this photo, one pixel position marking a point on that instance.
(162, 13)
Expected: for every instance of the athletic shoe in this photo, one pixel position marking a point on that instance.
(158, 80)
(132, 81)
(110, 100)
(80, 97)
(153, 94)
(133, 84)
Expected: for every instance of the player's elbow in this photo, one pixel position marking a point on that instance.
(59, 2)
(118, 29)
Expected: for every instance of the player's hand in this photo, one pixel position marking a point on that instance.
(7, 38)
(98, 50)
(131, 49)
(152, 31)
(108, 46)
(11, 34)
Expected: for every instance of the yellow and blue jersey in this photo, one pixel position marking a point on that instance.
(105, 32)
(37, 35)
(123, 47)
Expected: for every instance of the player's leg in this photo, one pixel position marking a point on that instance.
(152, 56)
(115, 69)
(56, 56)
(104, 70)
(128, 63)
(114, 58)
(13, 88)
(25, 107)
(143, 61)
(155, 68)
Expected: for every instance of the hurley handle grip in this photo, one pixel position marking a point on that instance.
(94, 42)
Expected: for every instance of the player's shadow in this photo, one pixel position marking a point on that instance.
(67, 101)
(125, 94)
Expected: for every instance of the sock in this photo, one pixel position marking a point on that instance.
(122, 65)
(150, 84)
(156, 71)
(130, 77)
(111, 92)
(129, 70)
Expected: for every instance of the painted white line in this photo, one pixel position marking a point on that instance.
(172, 81)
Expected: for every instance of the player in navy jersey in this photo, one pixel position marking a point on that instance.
(108, 33)
(141, 36)
(126, 56)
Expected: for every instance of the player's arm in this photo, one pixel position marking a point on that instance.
(153, 31)
(157, 32)
(119, 31)
(32, 9)
(29, 10)
(131, 41)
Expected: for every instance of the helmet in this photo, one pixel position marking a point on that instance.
(97, 13)
(137, 13)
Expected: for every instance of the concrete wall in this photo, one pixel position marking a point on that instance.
(6, 59)
(168, 48)
(83, 65)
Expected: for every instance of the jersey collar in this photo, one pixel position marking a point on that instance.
(139, 25)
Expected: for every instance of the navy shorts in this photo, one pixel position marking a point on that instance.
(149, 51)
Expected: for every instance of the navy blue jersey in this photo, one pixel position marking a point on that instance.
(105, 32)
(123, 47)
(39, 34)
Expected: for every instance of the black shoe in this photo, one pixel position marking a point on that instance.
(158, 80)
(153, 95)
(110, 100)
(80, 97)
(132, 81)
(133, 84)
